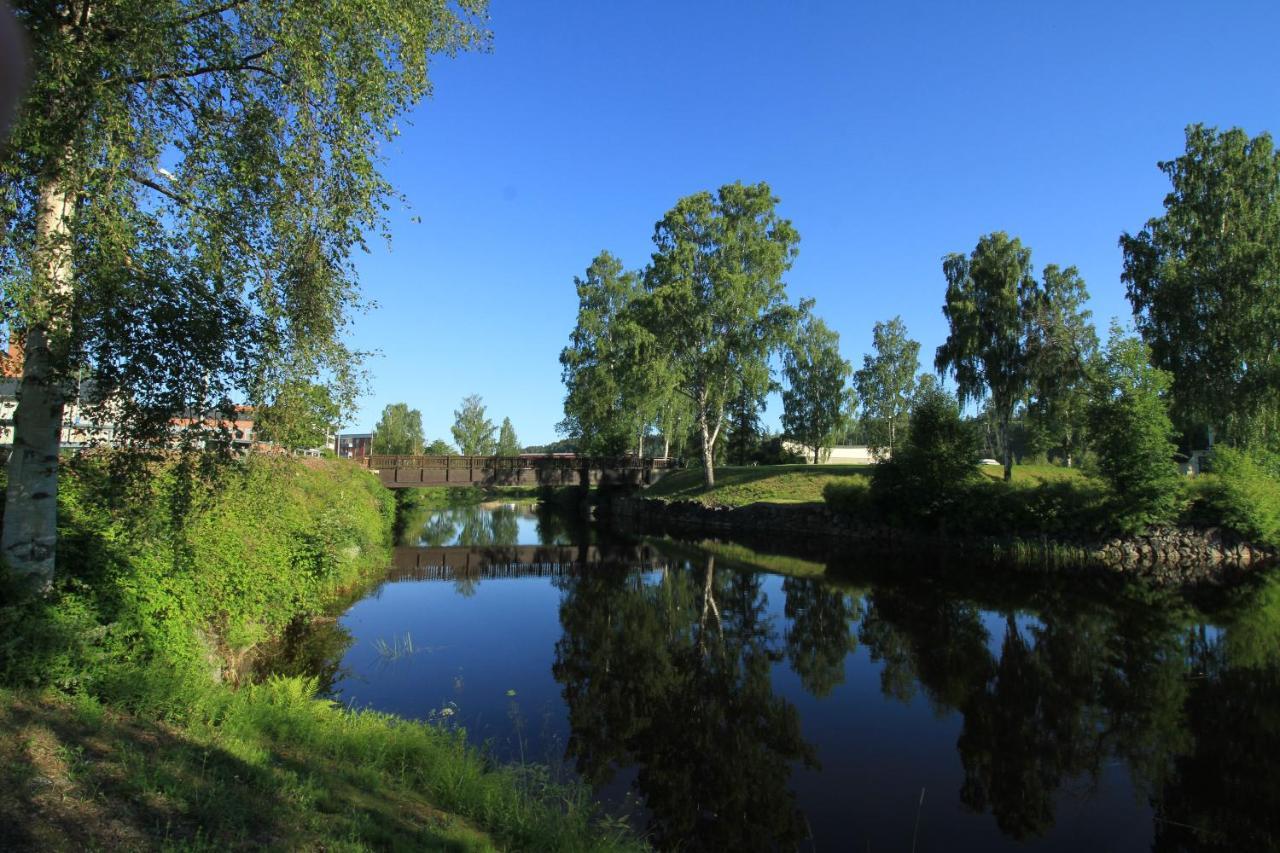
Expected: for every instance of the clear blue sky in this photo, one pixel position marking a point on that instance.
(892, 133)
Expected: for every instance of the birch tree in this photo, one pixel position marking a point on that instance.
(817, 403)
(1204, 282)
(181, 196)
(989, 297)
(887, 381)
(717, 299)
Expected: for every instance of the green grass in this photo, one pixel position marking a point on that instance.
(1035, 474)
(269, 767)
(120, 727)
(739, 486)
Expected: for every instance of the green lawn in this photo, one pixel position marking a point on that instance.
(739, 486)
(1034, 475)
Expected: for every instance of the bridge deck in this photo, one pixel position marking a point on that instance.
(403, 472)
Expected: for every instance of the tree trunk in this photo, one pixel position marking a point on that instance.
(666, 444)
(815, 454)
(1005, 450)
(30, 534)
(708, 452)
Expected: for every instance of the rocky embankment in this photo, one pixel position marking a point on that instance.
(1175, 556)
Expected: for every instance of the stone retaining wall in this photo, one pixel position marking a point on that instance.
(1167, 556)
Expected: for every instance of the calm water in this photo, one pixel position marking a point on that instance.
(724, 706)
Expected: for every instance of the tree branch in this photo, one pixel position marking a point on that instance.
(244, 63)
(207, 13)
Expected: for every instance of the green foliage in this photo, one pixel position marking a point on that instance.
(926, 479)
(232, 154)
(508, 444)
(849, 497)
(472, 431)
(716, 302)
(989, 293)
(1204, 281)
(817, 403)
(887, 382)
(1245, 493)
(1132, 434)
(609, 367)
(399, 431)
(439, 447)
(1062, 346)
(159, 580)
(300, 417)
(1011, 336)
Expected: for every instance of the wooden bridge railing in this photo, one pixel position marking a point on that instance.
(398, 472)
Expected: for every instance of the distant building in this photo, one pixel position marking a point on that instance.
(844, 454)
(354, 445)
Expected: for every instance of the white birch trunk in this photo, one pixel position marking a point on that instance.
(30, 534)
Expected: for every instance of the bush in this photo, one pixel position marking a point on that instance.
(1245, 493)
(852, 498)
(929, 473)
(1132, 436)
(168, 575)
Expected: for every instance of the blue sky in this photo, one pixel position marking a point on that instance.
(892, 133)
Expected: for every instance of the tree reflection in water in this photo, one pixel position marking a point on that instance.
(672, 676)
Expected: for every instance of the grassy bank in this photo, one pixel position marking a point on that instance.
(1041, 500)
(739, 486)
(120, 725)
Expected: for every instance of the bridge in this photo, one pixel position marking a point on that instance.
(513, 561)
(407, 472)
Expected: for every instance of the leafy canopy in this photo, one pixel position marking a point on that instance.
(472, 431)
(399, 431)
(508, 444)
(817, 402)
(1132, 433)
(716, 299)
(221, 163)
(1204, 282)
(887, 380)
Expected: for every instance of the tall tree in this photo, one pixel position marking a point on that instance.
(745, 431)
(472, 431)
(398, 432)
(989, 297)
(1204, 281)
(716, 300)
(817, 403)
(302, 416)
(508, 444)
(608, 367)
(1061, 346)
(180, 197)
(887, 380)
(1132, 434)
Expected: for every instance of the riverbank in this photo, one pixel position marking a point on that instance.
(124, 717)
(1046, 519)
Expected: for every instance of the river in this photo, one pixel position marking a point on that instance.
(728, 698)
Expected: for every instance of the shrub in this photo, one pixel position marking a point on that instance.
(1132, 436)
(171, 573)
(1245, 493)
(930, 471)
(852, 498)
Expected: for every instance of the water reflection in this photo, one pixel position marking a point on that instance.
(751, 710)
(671, 675)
